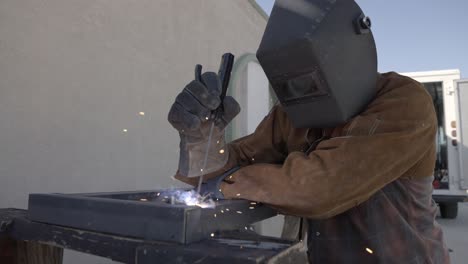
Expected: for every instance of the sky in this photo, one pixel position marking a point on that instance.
(416, 35)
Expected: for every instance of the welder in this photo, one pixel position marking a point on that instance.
(347, 154)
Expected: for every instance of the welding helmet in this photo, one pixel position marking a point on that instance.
(321, 60)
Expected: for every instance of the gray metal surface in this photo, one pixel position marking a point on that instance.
(227, 247)
(151, 219)
(462, 90)
(221, 251)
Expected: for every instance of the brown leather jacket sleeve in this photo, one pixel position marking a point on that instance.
(394, 137)
(268, 144)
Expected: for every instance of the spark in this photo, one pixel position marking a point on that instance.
(253, 203)
(251, 208)
(214, 215)
(192, 198)
(158, 194)
(222, 211)
(125, 130)
(212, 234)
(369, 250)
(207, 118)
(217, 142)
(142, 113)
(239, 212)
(238, 194)
(143, 200)
(221, 151)
(227, 209)
(253, 159)
(230, 177)
(246, 228)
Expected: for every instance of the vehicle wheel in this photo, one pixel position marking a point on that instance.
(449, 210)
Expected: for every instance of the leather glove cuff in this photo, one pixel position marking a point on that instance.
(192, 155)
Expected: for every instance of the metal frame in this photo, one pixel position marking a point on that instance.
(227, 247)
(122, 213)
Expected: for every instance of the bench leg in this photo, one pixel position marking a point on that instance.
(7, 251)
(21, 252)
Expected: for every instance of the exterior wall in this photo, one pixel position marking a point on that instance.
(75, 75)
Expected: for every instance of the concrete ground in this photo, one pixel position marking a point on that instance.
(456, 235)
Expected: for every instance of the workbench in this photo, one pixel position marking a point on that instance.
(25, 241)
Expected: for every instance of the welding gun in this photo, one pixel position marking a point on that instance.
(212, 187)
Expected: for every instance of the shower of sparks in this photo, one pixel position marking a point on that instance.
(142, 113)
(193, 198)
(369, 250)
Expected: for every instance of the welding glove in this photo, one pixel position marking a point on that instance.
(192, 114)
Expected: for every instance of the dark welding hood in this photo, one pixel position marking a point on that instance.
(321, 60)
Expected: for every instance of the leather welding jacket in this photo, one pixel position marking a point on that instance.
(365, 188)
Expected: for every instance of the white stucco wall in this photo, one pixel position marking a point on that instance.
(75, 75)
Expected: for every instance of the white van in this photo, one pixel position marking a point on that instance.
(450, 97)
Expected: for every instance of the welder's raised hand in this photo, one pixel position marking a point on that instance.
(193, 107)
(192, 115)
